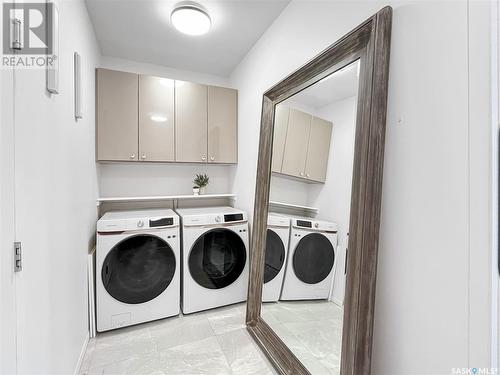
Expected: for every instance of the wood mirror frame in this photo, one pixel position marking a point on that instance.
(369, 42)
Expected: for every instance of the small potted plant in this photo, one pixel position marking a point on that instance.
(200, 182)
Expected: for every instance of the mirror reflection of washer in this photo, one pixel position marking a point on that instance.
(137, 267)
(278, 233)
(311, 260)
(214, 257)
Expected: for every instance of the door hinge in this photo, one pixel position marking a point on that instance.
(18, 262)
(15, 34)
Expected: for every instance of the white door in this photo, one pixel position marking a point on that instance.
(53, 208)
(33, 204)
(7, 229)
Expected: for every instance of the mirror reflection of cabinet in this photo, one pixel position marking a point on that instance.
(301, 144)
(117, 111)
(318, 149)
(297, 136)
(280, 127)
(156, 119)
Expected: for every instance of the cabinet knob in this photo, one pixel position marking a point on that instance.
(301, 173)
(203, 158)
(132, 156)
(307, 175)
(143, 156)
(212, 158)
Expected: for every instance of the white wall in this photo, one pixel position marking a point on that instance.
(422, 321)
(143, 179)
(56, 191)
(138, 179)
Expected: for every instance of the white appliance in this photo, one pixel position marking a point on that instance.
(278, 233)
(311, 259)
(137, 267)
(214, 257)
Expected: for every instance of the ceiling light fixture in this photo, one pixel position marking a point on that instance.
(191, 18)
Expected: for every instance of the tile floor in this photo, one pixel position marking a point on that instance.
(311, 329)
(215, 342)
(212, 342)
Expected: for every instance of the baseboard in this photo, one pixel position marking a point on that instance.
(337, 302)
(82, 354)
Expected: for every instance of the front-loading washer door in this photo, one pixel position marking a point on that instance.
(138, 269)
(275, 256)
(313, 258)
(217, 258)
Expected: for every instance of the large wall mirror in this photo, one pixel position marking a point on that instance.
(317, 207)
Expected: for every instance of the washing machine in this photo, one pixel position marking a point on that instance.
(137, 267)
(278, 233)
(311, 259)
(214, 257)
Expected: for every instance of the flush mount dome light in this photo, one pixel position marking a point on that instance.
(191, 18)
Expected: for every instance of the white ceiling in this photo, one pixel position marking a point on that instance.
(140, 30)
(339, 85)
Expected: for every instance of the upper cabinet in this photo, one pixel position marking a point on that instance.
(295, 154)
(222, 125)
(145, 118)
(318, 149)
(280, 127)
(117, 111)
(301, 144)
(191, 122)
(156, 119)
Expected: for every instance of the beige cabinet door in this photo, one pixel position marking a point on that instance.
(190, 122)
(117, 111)
(280, 128)
(222, 125)
(156, 119)
(295, 154)
(318, 149)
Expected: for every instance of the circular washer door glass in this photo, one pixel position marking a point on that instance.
(138, 269)
(313, 258)
(275, 255)
(217, 258)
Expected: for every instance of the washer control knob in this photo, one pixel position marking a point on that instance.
(316, 225)
(217, 219)
(140, 224)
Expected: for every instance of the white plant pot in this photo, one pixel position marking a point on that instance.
(202, 190)
(196, 191)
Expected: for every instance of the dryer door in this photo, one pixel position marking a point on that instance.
(313, 258)
(217, 258)
(275, 255)
(138, 269)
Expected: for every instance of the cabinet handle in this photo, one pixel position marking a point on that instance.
(132, 156)
(143, 156)
(212, 158)
(203, 158)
